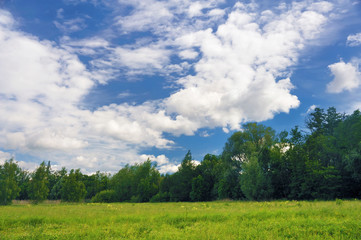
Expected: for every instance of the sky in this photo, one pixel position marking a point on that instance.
(98, 84)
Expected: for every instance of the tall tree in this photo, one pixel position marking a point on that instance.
(38, 187)
(183, 179)
(9, 188)
(254, 182)
(23, 181)
(73, 189)
(95, 183)
(315, 121)
(205, 184)
(247, 148)
(58, 179)
(121, 183)
(147, 180)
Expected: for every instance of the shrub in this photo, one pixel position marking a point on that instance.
(104, 196)
(160, 197)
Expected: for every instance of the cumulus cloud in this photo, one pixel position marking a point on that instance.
(239, 77)
(354, 40)
(347, 77)
(41, 85)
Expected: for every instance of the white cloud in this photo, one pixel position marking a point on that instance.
(188, 54)
(146, 15)
(49, 139)
(311, 109)
(195, 9)
(142, 58)
(29, 166)
(165, 16)
(347, 77)
(321, 6)
(4, 156)
(217, 12)
(124, 95)
(354, 40)
(236, 79)
(6, 18)
(94, 42)
(59, 13)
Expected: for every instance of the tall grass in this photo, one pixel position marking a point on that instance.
(210, 220)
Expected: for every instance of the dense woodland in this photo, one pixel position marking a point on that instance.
(256, 164)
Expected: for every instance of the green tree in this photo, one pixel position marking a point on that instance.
(95, 183)
(200, 189)
(147, 180)
(121, 183)
(204, 186)
(280, 172)
(23, 181)
(315, 121)
(57, 178)
(254, 183)
(38, 186)
(73, 189)
(183, 179)
(137, 183)
(9, 188)
(248, 148)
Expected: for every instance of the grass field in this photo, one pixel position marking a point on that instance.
(211, 220)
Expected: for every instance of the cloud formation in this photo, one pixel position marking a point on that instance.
(347, 76)
(233, 65)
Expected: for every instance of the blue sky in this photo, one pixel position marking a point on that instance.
(97, 84)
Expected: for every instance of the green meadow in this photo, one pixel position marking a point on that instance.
(202, 220)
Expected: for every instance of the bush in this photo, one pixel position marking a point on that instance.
(160, 197)
(104, 196)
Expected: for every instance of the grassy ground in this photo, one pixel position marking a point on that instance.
(212, 220)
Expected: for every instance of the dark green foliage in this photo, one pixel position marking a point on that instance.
(95, 183)
(204, 186)
(122, 184)
(180, 191)
(55, 191)
(38, 186)
(200, 189)
(23, 180)
(254, 182)
(160, 197)
(9, 188)
(73, 189)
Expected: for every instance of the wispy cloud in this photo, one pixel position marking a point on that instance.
(354, 40)
(70, 25)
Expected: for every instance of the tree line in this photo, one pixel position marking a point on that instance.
(256, 164)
